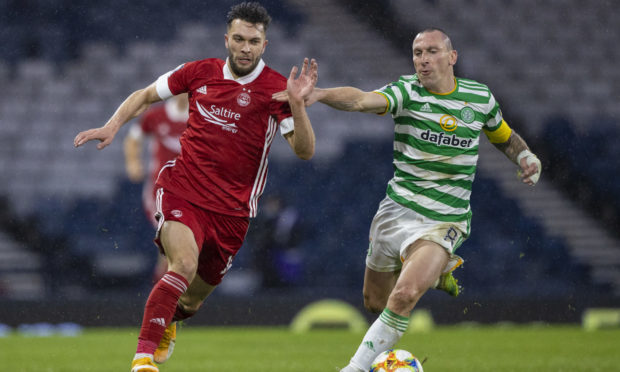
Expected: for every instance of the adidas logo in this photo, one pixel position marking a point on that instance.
(369, 345)
(159, 321)
(202, 89)
(426, 108)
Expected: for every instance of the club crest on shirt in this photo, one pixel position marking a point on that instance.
(243, 99)
(468, 115)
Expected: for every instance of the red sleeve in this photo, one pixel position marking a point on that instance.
(279, 110)
(180, 79)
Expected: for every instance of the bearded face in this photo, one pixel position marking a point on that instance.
(246, 44)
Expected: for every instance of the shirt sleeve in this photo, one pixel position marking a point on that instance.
(281, 112)
(495, 128)
(172, 82)
(395, 94)
(494, 117)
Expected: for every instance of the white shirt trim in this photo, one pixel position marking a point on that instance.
(163, 90)
(287, 125)
(243, 80)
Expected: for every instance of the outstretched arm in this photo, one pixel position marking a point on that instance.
(519, 153)
(134, 105)
(351, 99)
(343, 98)
(301, 139)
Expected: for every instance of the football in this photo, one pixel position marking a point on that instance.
(396, 360)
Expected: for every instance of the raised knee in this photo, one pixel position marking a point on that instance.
(404, 298)
(186, 267)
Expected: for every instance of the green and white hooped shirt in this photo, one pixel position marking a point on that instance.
(436, 144)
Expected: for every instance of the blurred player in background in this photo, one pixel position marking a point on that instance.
(205, 198)
(426, 214)
(162, 126)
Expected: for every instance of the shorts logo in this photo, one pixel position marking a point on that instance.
(468, 115)
(177, 213)
(451, 235)
(448, 123)
(228, 265)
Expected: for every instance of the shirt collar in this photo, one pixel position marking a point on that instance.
(244, 79)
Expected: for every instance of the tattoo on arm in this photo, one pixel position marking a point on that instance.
(513, 147)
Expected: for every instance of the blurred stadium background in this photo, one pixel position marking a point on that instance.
(74, 243)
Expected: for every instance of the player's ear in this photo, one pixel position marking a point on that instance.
(265, 45)
(226, 40)
(453, 57)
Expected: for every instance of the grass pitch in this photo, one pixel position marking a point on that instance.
(454, 348)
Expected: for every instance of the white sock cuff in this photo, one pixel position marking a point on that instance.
(392, 320)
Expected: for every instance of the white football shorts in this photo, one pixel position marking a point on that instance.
(395, 227)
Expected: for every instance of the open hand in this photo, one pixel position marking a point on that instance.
(300, 88)
(105, 135)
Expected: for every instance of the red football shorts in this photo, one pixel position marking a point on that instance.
(218, 236)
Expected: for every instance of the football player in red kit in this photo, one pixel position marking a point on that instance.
(162, 126)
(206, 196)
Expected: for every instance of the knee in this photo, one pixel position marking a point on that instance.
(403, 299)
(185, 266)
(189, 307)
(373, 303)
(181, 250)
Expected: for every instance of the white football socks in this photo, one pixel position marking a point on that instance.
(382, 335)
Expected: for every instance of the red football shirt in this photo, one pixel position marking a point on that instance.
(162, 125)
(232, 123)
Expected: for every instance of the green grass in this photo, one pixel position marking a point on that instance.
(462, 349)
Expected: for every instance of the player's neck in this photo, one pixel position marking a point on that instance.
(444, 87)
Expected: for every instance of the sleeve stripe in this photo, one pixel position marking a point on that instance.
(500, 135)
(387, 107)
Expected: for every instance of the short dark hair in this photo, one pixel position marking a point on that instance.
(251, 12)
(445, 34)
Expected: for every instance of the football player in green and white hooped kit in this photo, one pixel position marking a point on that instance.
(426, 214)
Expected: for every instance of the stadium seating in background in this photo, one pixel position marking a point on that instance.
(584, 164)
(337, 200)
(112, 240)
(101, 245)
(57, 30)
(507, 254)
